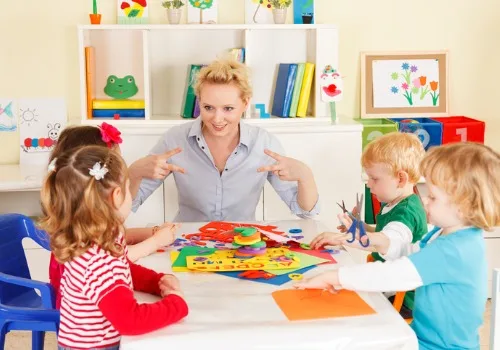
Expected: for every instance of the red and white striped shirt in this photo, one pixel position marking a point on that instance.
(86, 280)
(98, 304)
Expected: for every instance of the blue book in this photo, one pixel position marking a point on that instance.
(284, 89)
(123, 113)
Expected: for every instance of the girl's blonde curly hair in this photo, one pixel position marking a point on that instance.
(78, 211)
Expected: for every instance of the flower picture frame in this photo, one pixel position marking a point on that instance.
(404, 84)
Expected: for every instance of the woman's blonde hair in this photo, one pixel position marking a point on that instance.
(225, 71)
(399, 151)
(77, 208)
(469, 174)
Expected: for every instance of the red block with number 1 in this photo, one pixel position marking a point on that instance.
(461, 129)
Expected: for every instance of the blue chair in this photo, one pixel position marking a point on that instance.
(21, 308)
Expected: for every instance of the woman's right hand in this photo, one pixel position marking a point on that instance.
(155, 166)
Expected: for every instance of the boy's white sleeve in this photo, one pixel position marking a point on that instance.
(400, 237)
(397, 275)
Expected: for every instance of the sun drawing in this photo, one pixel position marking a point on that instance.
(28, 116)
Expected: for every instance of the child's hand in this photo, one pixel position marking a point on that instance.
(169, 284)
(346, 221)
(328, 238)
(165, 235)
(326, 280)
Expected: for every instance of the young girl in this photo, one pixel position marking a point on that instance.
(448, 266)
(86, 200)
(141, 241)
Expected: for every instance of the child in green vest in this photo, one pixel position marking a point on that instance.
(392, 164)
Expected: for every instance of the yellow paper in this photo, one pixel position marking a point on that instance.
(224, 260)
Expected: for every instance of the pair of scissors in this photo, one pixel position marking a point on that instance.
(357, 224)
(344, 209)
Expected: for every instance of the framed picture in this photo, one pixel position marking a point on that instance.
(404, 84)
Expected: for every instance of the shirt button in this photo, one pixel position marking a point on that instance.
(226, 169)
(235, 152)
(198, 139)
(202, 147)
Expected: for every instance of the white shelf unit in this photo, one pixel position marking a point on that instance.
(158, 56)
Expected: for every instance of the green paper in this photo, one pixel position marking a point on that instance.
(191, 251)
(306, 260)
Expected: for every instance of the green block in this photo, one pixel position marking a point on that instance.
(373, 128)
(260, 244)
(246, 231)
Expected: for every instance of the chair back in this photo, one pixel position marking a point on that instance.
(13, 229)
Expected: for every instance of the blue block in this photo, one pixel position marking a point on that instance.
(429, 131)
(262, 108)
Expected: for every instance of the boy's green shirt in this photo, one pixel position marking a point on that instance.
(411, 213)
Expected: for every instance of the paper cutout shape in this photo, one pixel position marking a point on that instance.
(306, 260)
(121, 88)
(191, 251)
(331, 85)
(275, 281)
(227, 260)
(313, 304)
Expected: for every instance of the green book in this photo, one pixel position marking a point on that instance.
(296, 90)
(190, 97)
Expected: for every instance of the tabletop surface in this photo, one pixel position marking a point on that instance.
(227, 312)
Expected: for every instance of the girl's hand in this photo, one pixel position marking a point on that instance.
(165, 235)
(287, 169)
(169, 284)
(155, 166)
(325, 281)
(329, 238)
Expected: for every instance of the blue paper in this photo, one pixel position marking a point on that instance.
(277, 281)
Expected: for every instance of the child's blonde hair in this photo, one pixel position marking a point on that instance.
(78, 212)
(225, 71)
(468, 173)
(399, 151)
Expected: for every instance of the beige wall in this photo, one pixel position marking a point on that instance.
(40, 39)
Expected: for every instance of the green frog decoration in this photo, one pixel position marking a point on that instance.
(120, 88)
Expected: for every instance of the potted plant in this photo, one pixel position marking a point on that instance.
(174, 10)
(95, 18)
(280, 8)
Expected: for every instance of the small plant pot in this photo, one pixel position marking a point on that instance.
(279, 16)
(307, 18)
(95, 18)
(174, 16)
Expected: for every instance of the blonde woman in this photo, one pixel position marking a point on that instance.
(221, 164)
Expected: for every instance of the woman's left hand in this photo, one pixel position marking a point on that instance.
(287, 169)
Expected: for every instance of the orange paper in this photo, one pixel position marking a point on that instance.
(310, 304)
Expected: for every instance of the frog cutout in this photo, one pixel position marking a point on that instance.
(120, 88)
(331, 85)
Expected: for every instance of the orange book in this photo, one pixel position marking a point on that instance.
(90, 75)
(310, 304)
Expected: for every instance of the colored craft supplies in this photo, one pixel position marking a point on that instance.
(249, 242)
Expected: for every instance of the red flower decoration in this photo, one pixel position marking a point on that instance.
(110, 134)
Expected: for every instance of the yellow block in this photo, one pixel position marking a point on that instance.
(118, 104)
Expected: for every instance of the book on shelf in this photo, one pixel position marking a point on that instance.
(189, 95)
(284, 88)
(121, 113)
(292, 89)
(305, 90)
(89, 78)
(117, 104)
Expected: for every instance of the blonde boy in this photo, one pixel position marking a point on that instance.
(448, 266)
(392, 164)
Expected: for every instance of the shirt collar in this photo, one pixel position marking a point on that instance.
(195, 131)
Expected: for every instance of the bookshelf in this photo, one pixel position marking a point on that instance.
(158, 56)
